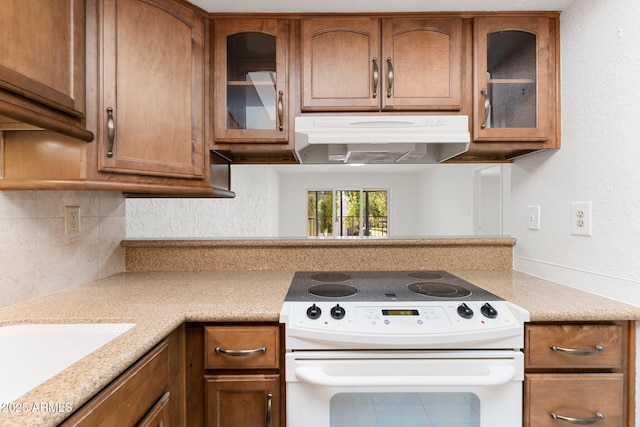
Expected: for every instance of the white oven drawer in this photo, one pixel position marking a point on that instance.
(353, 389)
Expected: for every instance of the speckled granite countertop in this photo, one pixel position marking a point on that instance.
(158, 302)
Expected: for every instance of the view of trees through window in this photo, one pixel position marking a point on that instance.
(347, 213)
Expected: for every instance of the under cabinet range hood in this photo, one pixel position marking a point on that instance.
(380, 139)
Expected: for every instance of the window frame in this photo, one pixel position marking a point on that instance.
(362, 220)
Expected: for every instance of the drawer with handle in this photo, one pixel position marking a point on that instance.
(241, 347)
(573, 346)
(556, 400)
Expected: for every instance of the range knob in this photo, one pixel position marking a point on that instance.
(337, 312)
(313, 312)
(465, 311)
(489, 311)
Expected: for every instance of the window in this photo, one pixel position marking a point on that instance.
(360, 213)
(320, 213)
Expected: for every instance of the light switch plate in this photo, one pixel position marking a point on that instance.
(533, 217)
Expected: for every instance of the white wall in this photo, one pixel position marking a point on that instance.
(271, 201)
(252, 213)
(599, 160)
(446, 202)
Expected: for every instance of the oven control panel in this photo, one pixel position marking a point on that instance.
(408, 325)
(449, 316)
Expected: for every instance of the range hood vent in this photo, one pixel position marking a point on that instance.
(380, 139)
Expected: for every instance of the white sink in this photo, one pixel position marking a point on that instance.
(30, 354)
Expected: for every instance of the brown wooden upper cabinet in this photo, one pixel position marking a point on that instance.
(42, 53)
(371, 64)
(250, 83)
(514, 90)
(152, 106)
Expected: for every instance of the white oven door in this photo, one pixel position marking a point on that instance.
(404, 389)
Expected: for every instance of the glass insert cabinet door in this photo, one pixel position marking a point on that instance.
(250, 103)
(512, 74)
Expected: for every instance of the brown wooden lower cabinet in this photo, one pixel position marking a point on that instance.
(158, 416)
(234, 375)
(577, 373)
(243, 400)
(148, 394)
(130, 397)
(570, 399)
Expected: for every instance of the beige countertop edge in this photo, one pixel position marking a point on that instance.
(427, 241)
(158, 302)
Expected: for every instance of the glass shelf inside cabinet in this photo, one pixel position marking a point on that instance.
(251, 81)
(511, 79)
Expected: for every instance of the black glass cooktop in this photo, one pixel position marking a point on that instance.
(384, 286)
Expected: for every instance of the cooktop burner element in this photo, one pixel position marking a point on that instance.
(333, 290)
(384, 286)
(425, 275)
(439, 290)
(330, 277)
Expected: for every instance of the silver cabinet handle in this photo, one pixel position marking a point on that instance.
(390, 76)
(579, 352)
(111, 131)
(269, 405)
(241, 353)
(376, 77)
(280, 110)
(487, 107)
(579, 421)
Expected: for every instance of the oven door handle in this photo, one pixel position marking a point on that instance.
(495, 376)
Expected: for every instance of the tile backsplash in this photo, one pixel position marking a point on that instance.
(37, 258)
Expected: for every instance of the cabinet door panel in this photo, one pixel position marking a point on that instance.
(42, 53)
(338, 64)
(153, 77)
(513, 92)
(251, 96)
(426, 57)
(242, 400)
(579, 396)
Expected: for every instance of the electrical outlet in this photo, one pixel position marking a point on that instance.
(71, 219)
(581, 218)
(533, 217)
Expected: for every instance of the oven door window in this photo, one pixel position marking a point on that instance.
(405, 409)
